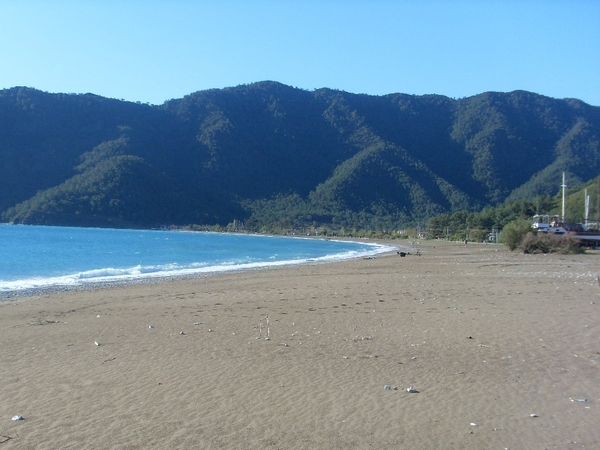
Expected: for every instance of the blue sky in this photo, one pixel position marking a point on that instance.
(152, 51)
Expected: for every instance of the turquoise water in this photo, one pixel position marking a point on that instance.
(39, 256)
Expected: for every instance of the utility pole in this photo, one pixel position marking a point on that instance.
(564, 190)
(587, 208)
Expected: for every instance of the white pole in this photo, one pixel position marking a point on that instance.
(587, 207)
(564, 189)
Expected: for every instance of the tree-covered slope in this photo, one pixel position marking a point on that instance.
(118, 190)
(267, 152)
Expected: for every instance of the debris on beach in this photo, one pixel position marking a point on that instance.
(362, 338)
(181, 332)
(150, 326)
(533, 415)
(412, 390)
(97, 343)
(18, 418)
(388, 387)
(264, 323)
(579, 399)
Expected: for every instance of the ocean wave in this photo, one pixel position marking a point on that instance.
(110, 274)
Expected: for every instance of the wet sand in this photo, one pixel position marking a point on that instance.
(488, 338)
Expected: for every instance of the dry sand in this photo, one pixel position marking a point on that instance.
(488, 338)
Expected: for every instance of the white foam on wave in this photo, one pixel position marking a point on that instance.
(108, 275)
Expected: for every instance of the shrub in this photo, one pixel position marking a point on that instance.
(477, 235)
(513, 233)
(550, 243)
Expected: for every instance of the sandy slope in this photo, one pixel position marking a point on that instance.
(487, 337)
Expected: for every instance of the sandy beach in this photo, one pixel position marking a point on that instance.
(502, 348)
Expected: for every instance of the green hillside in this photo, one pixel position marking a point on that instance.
(267, 153)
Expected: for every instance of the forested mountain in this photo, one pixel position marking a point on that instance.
(267, 153)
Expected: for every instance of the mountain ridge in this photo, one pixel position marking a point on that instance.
(268, 152)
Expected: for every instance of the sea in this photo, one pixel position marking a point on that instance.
(46, 257)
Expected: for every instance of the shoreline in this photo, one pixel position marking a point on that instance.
(143, 280)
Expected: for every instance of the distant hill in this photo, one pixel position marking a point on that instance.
(268, 153)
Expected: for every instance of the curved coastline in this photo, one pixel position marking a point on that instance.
(379, 249)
